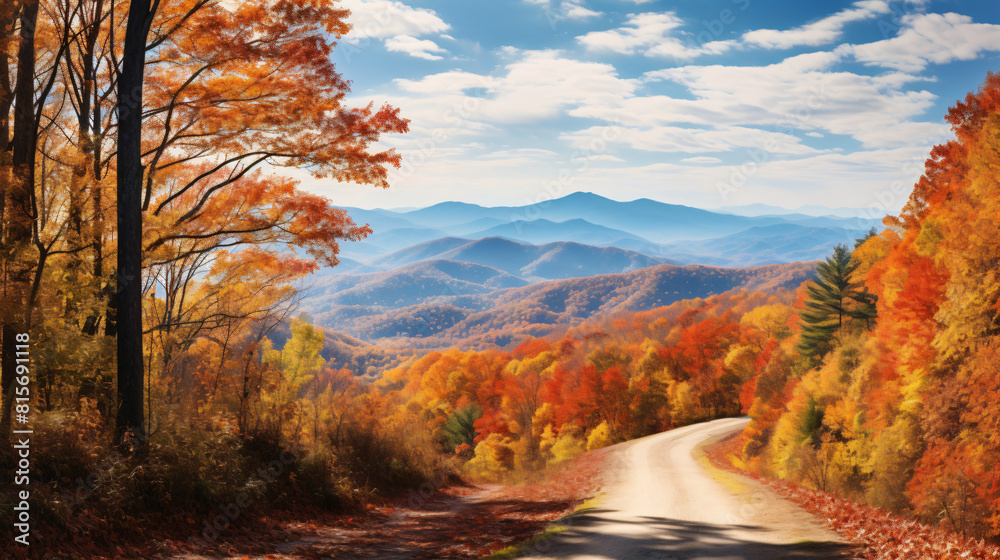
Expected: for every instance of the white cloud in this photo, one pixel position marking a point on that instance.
(444, 82)
(540, 85)
(876, 179)
(643, 31)
(725, 110)
(653, 35)
(822, 32)
(521, 153)
(674, 139)
(929, 38)
(908, 134)
(420, 48)
(508, 51)
(467, 127)
(545, 81)
(576, 11)
(678, 50)
(600, 157)
(382, 19)
(702, 160)
(801, 93)
(565, 9)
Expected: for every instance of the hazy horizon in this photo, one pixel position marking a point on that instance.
(808, 209)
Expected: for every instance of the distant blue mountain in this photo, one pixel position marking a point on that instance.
(531, 262)
(497, 252)
(419, 252)
(411, 284)
(379, 220)
(575, 260)
(656, 221)
(458, 271)
(774, 244)
(453, 213)
(643, 218)
(346, 266)
(806, 211)
(386, 241)
(658, 231)
(551, 260)
(477, 225)
(546, 231)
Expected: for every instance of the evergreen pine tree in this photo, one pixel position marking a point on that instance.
(833, 298)
(861, 240)
(460, 427)
(865, 309)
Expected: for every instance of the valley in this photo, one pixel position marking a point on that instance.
(470, 276)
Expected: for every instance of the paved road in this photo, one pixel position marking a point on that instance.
(662, 504)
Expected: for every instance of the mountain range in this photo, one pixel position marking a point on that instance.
(563, 259)
(808, 210)
(662, 231)
(436, 303)
(459, 273)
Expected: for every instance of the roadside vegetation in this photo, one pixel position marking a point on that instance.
(888, 393)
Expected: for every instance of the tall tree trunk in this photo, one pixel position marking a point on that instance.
(85, 178)
(98, 198)
(129, 416)
(105, 289)
(18, 207)
(7, 364)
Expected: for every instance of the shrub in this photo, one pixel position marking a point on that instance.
(493, 460)
(599, 437)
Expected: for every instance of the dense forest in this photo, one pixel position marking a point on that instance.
(404, 308)
(145, 230)
(512, 413)
(889, 394)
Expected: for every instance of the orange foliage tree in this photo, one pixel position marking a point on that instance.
(905, 416)
(212, 99)
(605, 381)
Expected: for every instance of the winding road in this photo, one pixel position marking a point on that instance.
(664, 502)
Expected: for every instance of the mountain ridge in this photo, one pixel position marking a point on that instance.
(471, 315)
(643, 225)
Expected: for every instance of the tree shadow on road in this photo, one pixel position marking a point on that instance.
(661, 538)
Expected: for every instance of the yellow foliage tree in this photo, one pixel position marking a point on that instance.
(599, 437)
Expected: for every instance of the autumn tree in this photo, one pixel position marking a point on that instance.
(956, 478)
(129, 419)
(18, 188)
(210, 108)
(903, 413)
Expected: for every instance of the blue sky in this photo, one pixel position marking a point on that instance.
(708, 103)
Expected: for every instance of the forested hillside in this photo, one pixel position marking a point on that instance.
(564, 259)
(149, 247)
(402, 307)
(890, 393)
(510, 413)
